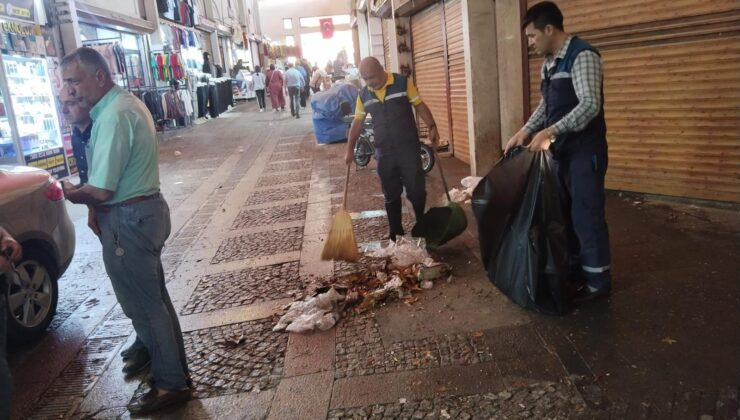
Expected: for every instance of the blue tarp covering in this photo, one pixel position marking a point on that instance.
(327, 112)
(329, 131)
(327, 104)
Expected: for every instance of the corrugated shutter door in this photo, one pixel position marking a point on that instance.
(429, 66)
(672, 103)
(458, 82)
(387, 44)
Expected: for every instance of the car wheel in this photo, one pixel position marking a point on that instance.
(32, 296)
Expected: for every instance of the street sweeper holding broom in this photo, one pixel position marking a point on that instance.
(390, 99)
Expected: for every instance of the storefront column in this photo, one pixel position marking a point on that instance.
(482, 72)
(510, 71)
(363, 35)
(390, 26)
(69, 27)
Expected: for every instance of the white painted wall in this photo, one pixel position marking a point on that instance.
(126, 7)
(272, 13)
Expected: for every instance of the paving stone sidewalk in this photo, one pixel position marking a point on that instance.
(249, 243)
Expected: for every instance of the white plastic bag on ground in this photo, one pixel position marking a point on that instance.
(458, 196)
(470, 182)
(320, 312)
(404, 253)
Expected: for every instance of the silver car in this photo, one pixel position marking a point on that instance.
(33, 211)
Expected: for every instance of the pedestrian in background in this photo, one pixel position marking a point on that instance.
(304, 74)
(239, 66)
(294, 80)
(132, 220)
(307, 79)
(259, 79)
(276, 84)
(317, 78)
(10, 252)
(78, 116)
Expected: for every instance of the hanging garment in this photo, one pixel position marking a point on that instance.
(120, 57)
(175, 64)
(186, 100)
(160, 68)
(176, 10)
(183, 13)
(175, 38)
(154, 67)
(202, 94)
(167, 72)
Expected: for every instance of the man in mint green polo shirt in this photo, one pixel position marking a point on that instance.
(132, 220)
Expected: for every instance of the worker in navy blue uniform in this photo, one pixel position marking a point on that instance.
(569, 122)
(78, 116)
(390, 99)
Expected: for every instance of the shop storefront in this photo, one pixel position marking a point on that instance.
(671, 93)
(441, 53)
(177, 66)
(125, 51)
(30, 131)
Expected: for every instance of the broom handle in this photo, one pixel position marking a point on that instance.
(441, 173)
(346, 187)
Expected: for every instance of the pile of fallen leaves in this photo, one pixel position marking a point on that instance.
(378, 281)
(389, 273)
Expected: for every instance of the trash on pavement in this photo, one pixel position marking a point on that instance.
(459, 196)
(319, 312)
(470, 182)
(404, 253)
(463, 195)
(390, 273)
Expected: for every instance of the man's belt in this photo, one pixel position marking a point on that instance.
(108, 207)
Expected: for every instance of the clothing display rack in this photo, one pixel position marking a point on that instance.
(112, 51)
(171, 108)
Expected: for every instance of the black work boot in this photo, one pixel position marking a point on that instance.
(393, 210)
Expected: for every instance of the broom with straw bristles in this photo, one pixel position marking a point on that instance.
(341, 243)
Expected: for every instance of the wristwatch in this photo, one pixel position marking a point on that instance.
(551, 135)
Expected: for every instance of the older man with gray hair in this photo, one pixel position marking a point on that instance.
(131, 217)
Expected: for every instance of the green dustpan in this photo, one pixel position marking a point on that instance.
(441, 224)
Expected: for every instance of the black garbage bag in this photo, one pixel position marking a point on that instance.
(523, 239)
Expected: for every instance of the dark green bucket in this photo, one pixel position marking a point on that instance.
(440, 224)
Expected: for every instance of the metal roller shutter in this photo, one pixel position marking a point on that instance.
(458, 83)
(387, 44)
(672, 92)
(430, 68)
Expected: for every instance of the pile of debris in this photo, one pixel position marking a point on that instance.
(389, 273)
(465, 194)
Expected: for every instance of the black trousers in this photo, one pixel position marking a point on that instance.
(260, 97)
(581, 180)
(295, 100)
(398, 170)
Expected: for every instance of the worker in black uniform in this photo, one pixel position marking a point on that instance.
(569, 122)
(390, 99)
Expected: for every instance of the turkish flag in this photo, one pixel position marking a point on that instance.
(327, 27)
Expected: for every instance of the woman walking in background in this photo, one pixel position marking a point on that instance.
(259, 80)
(276, 84)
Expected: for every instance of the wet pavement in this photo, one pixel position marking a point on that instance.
(252, 197)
